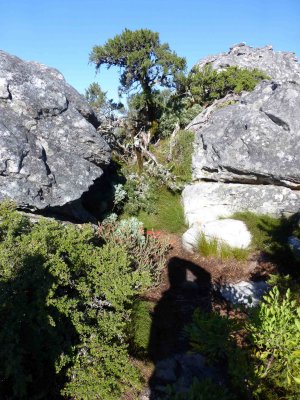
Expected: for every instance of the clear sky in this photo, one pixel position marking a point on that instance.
(62, 33)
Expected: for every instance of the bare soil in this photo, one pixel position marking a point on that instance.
(186, 284)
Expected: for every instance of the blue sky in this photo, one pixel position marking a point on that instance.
(61, 33)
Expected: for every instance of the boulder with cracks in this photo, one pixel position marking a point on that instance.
(50, 150)
(246, 155)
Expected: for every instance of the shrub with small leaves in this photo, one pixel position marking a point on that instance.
(66, 299)
(275, 334)
(147, 252)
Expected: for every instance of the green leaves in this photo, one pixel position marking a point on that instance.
(142, 58)
(65, 304)
(208, 85)
(275, 333)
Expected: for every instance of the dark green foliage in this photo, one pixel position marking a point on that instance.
(218, 342)
(145, 64)
(95, 96)
(142, 58)
(201, 390)
(275, 334)
(201, 88)
(66, 302)
(208, 85)
(140, 328)
(268, 364)
(182, 153)
(177, 112)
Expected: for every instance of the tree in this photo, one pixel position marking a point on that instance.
(145, 65)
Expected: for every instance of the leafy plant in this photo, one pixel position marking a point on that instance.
(275, 333)
(140, 328)
(207, 85)
(182, 153)
(66, 299)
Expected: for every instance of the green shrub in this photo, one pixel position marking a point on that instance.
(66, 300)
(268, 364)
(141, 194)
(182, 153)
(217, 249)
(214, 337)
(147, 253)
(168, 215)
(275, 334)
(208, 85)
(200, 390)
(140, 328)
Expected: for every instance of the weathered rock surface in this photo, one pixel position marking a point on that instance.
(256, 141)
(279, 65)
(208, 201)
(247, 293)
(246, 155)
(50, 151)
(228, 231)
(294, 244)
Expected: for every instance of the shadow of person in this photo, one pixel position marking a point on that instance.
(189, 288)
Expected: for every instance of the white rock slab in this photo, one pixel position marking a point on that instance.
(190, 238)
(232, 232)
(208, 201)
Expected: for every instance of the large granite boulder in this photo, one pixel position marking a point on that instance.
(278, 65)
(50, 150)
(255, 141)
(246, 154)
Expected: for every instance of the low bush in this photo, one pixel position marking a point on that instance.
(208, 85)
(66, 296)
(267, 366)
(275, 333)
(140, 328)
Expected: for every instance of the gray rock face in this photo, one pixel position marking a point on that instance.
(255, 141)
(207, 201)
(50, 151)
(278, 65)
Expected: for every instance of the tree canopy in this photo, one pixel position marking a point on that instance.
(143, 60)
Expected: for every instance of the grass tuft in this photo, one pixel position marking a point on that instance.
(218, 249)
(168, 214)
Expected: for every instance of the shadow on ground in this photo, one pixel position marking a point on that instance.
(190, 288)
